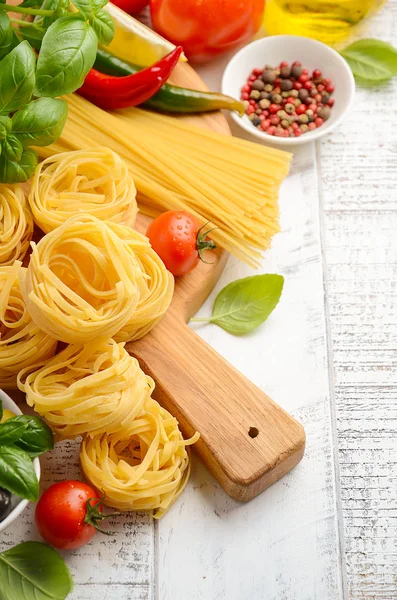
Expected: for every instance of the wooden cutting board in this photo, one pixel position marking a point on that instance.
(246, 440)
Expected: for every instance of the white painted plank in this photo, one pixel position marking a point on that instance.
(359, 171)
(284, 545)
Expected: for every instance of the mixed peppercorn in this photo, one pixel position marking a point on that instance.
(287, 101)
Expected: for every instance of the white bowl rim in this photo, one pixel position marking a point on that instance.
(20, 507)
(310, 136)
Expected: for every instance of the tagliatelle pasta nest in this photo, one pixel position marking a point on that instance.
(146, 470)
(95, 182)
(16, 224)
(82, 282)
(93, 389)
(22, 343)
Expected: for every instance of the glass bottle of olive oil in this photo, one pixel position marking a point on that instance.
(330, 21)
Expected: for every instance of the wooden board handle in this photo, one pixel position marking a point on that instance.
(247, 441)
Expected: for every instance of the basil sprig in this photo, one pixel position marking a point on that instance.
(243, 305)
(371, 61)
(21, 439)
(33, 571)
(66, 35)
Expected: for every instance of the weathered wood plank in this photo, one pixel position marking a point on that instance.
(358, 167)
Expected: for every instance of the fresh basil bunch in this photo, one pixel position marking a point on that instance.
(21, 439)
(67, 37)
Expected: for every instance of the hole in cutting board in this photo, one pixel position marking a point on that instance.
(253, 432)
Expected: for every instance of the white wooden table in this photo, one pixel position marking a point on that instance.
(327, 531)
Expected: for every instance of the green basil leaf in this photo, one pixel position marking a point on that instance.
(5, 127)
(12, 148)
(17, 76)
(6, 35)
(103, 25)
(18, 172)
(371, 60)
(17, 473)
(37, 436)
(68, 52)
(245, 304)
(33, 36)
(12, 430)
(33, 571)
(89, 8)
(41, 122)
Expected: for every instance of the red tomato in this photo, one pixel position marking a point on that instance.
(176, 237)
(61, 514)
(207, 28)
(132, 7)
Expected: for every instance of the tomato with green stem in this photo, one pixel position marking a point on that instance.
(180, 240)
(68, 514)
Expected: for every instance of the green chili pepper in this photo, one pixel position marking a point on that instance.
(170, 98)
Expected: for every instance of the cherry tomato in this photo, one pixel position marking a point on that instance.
(132, 7)
(206, 29)
(68, 513)
(176, 237)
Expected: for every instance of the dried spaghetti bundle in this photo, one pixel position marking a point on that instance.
(227, 181)
(146, 470)
(21, 342)
(158, 289)
(93, 389)
(94, 181)
(82, 282)
(16, 224)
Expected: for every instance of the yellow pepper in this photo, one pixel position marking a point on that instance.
(135, 42)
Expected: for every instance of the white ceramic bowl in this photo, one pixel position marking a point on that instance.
(20, 505)
(313, 55)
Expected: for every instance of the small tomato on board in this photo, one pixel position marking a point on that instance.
(132, 7)
(178, 239)
(207, 28)
(68, 513)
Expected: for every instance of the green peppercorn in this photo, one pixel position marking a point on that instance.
(282, 114)
(264, 104)
(268, 76)
(246, 104)
(289, 108)
(296, 70)
(324, 112)
(303, 94)
(268, 88)
(285, 123)
(285, 72)
(309, 113)
(297, 103)
(286, 85)
(303, 118)
(304, 128)
(258, 111)
(324, 97)
(252, 116)
(294, 93)
(258, 85)
(255, 94)
(276, 98)
(285, 94)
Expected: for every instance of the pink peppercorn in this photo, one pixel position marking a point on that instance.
(308, 85)
(312, 107)
(329, 89)
(317, 74)
(301, 109)
(318, 98)
(318, 121)
(265, 124)
(320, 87)
(311, 126)
(303, 78)
(257, 71)
(275, 120)
(250, 110)
(326, 81)
(283, 64)
(252, 102)
(246, 88)
(245, 96)
(331, 102)
(297, 85)
(298, 132)
(273, 108)
(270, 130)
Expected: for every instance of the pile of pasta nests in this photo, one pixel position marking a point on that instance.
(91, 284)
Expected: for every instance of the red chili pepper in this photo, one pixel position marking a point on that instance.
(110, 92)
